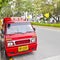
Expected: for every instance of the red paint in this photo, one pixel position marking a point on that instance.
(18, 40)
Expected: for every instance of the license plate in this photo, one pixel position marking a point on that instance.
(22, 48)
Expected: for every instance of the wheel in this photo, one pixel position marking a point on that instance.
(3, 55)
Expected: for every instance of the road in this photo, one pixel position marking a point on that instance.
(48, 45)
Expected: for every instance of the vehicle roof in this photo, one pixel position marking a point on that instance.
(8, 20)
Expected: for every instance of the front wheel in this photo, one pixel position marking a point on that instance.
(3, 55)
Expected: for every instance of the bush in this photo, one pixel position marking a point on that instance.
(43, 24)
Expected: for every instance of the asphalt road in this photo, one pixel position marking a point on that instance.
(48, 45)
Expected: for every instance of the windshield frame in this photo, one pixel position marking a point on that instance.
(18, 32)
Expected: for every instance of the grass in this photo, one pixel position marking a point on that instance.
(44, 24)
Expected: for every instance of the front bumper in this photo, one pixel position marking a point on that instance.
(13, 51)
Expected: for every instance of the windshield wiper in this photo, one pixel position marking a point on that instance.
(19, 33)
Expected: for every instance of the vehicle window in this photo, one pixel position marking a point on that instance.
(19, 28)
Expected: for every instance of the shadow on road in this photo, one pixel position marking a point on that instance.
(19, 57)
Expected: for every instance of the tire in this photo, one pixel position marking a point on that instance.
(3, 55)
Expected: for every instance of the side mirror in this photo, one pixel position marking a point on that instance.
(34, 29)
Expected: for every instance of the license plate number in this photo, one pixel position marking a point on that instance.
(22, 48)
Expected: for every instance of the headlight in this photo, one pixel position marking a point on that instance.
(32, 39)
(10, 44)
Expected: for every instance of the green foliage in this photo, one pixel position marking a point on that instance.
(24, 5)
(33, 6)
(50, 25)
(3, 3)
(0, 3)
(42, 7)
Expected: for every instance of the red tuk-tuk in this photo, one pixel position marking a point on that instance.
(19, 36)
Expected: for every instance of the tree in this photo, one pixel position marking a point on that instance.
(6, 12)
(35, 7)
(24, 5)
(56, 11)
(3, 3)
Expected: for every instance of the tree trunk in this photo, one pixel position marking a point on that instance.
(57, 19)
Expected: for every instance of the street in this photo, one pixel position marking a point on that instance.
(48, 45)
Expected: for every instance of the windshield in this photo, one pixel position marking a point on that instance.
(19, 28)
